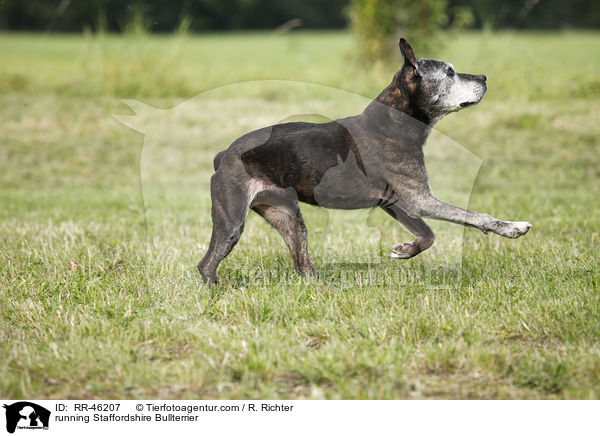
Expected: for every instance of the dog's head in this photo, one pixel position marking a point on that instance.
(434, 87)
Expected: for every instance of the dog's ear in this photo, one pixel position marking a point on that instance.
(408, 54)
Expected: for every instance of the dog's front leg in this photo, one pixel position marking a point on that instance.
(431, 207)
(424, 235)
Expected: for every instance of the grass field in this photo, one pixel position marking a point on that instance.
(100, 296)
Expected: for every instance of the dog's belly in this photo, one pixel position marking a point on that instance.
(337, 190)
(337, 198)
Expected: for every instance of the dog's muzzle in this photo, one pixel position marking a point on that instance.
(483, 79)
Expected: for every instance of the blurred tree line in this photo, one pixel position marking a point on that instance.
(167, 15)
(199, 15)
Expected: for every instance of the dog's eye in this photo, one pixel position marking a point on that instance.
(451, 72)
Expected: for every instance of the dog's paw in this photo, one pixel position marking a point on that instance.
(514, 229)
(402, 251)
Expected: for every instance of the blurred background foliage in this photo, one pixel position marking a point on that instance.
(377, 23)
(166, 15)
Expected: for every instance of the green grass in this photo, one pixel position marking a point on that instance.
(92, 308)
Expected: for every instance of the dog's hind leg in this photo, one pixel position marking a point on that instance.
(230, 203)
(424, 235)
(293, 231)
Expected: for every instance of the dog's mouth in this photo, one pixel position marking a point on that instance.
(468, 103)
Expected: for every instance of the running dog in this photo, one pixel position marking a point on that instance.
(374, 159)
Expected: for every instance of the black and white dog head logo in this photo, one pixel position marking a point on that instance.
(26, 415)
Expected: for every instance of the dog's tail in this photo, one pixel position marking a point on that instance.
(217, 160)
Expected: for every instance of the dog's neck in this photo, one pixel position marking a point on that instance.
(394, 114)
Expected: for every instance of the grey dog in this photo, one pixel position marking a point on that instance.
(374, 159)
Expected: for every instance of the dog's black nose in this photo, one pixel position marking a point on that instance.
(482, 77)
